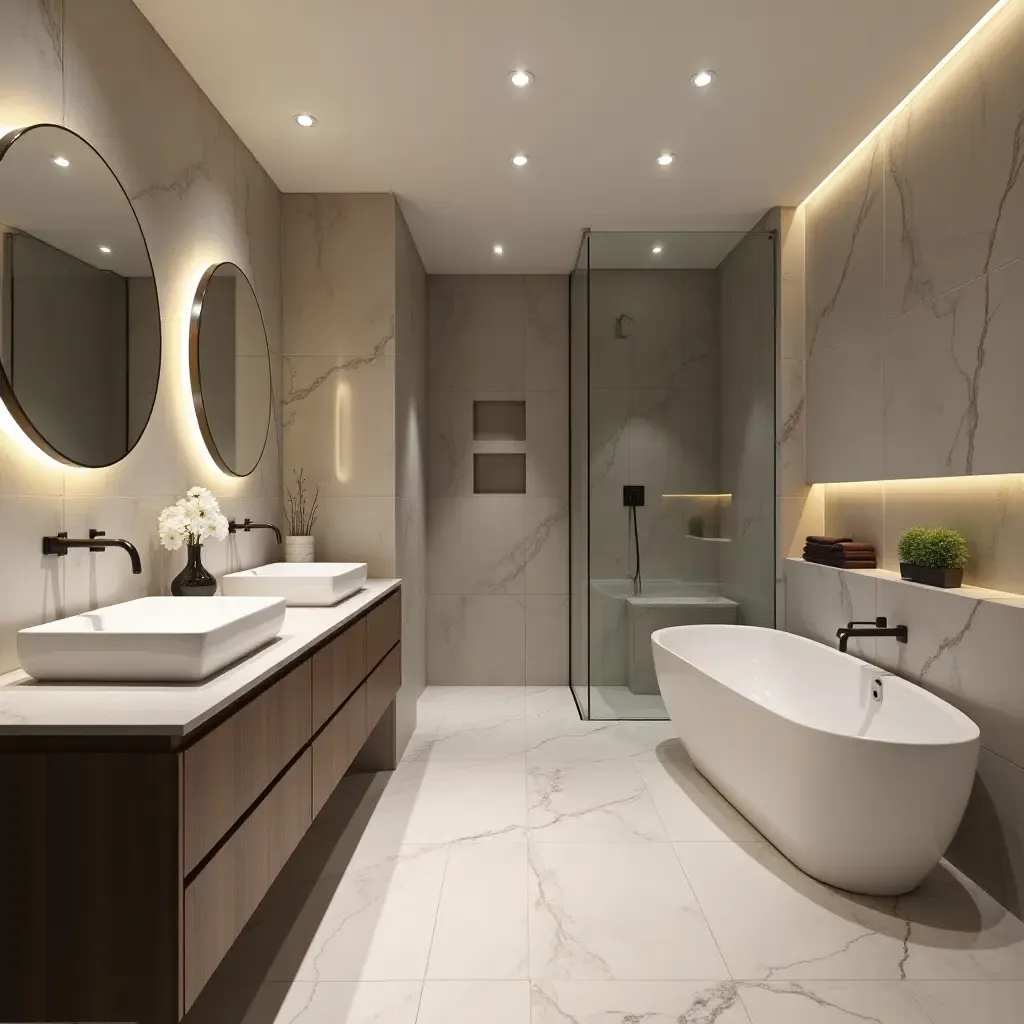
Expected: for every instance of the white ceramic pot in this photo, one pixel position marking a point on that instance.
(298, 549)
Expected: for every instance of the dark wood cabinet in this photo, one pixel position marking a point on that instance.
(133, 862)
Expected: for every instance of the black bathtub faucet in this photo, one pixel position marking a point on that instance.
(879, 627)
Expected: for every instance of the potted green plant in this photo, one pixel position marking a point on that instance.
(933, 556)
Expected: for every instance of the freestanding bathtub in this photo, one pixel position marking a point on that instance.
(860, 793)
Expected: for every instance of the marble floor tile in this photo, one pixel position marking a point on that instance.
(481, 927)
(561, 742)
(442, 803)
(606, 802)
(652, 1002)
(326, 1002)
(831, 1002)
(773, 922)
(462, 697)
(616, 911)
(971, 1002)
(691, 809)
(469, 736)
(475, 1002)
(374, 924)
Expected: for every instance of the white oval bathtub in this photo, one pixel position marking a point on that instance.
(862, 795)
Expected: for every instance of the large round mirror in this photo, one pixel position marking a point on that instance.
(230, 366)
(79, 317)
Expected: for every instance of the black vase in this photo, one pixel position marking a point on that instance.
(194, 580)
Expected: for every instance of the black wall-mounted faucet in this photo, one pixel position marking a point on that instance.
(247, 524)
(98, 541)
(880, 627)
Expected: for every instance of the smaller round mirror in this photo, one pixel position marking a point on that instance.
(229, 362)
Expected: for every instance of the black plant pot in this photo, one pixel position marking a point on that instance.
(194, 580)
(946, 578)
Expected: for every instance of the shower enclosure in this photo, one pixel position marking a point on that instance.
(672, 450)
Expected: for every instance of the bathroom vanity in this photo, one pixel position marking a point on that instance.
(144, 824)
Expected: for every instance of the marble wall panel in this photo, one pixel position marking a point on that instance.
(496, 562)
(98, 67)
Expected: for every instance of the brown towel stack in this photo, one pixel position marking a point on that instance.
(842, 552)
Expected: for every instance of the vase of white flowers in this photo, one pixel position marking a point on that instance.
(190, 521)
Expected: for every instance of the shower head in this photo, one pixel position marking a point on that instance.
(623, 325)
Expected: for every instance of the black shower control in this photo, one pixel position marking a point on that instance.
(633, 495)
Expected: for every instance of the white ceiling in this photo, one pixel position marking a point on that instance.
(412, 96)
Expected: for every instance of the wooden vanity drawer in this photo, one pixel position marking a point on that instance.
(223, 896)
(338, 668)
(226, 770)
(383, 628)
(336, 747)
(382, 686)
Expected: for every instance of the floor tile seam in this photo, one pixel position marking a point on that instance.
(433, 928)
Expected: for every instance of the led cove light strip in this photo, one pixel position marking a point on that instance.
(986, 18)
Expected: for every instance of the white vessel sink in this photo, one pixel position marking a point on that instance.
(153, 639)
(299, 583)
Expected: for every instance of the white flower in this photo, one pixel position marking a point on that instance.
(192, 519)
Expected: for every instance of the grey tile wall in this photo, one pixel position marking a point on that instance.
(97, 67)
(497, 564)
(914, 298)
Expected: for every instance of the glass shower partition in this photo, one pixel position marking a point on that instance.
(672, 399)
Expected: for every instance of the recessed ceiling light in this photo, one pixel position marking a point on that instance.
(498, 250)
(656, 249)
(520, 159)
(62, 161)
(520, 78)
(105, 249)
(305, 120)
(703, 78)
(665, 159)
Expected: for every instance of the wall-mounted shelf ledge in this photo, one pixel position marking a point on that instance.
(972, 593)
(713, 540)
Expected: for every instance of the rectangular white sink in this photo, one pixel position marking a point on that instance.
(301, 584)
(153, 639)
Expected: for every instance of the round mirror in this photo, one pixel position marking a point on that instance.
(79, 316)
(229, 361)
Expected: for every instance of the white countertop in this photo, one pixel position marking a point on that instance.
(32, 708)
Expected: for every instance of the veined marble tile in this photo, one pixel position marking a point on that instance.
(357, 529)
(464, 697)
(561, 742)
(374, 924)
(609, 441)
(496, 1002)
(791, 428)
(690, 808)
(544, 549)
(830, 1002)
(470, 736)
(609, 297)
(954, 205)
(607, 803)
(773, 922)
(339, 422)
(820, 599)
(844, 242)
(547, 444)
(476, 641)
(32, 51)
(966, 650)
(657, 1002)
(450, 444)
(458, 803)
(845, 409)
(339, 276)
(953, 1002)
(616, 911)
(325, 1002)
(547, 642)
(547, 332)
(481, 928)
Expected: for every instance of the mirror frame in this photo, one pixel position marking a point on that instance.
(7, 394)
(195, 377)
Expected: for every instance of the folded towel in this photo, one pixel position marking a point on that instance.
(818, 551)
(847, 546)
(843, 563)
(829, 540)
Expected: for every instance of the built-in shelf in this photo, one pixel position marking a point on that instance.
(499, 420)
(972, 593)
(713, 540)
(499, 473)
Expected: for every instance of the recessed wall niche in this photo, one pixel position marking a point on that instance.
(499, 421)
(499, 473)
